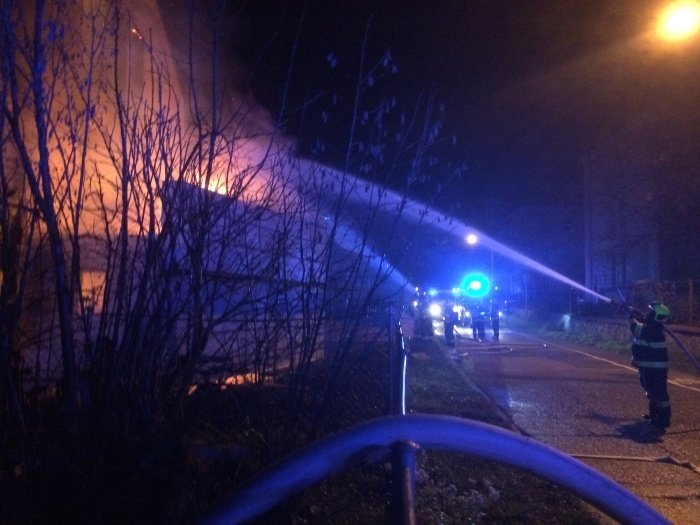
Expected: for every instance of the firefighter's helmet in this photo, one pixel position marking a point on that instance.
(660, 312)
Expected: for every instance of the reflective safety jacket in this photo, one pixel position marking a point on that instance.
(649, 345)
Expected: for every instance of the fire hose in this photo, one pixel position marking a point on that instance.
(660, 459)
(680, 344)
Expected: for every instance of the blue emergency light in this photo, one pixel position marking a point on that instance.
(476, 285)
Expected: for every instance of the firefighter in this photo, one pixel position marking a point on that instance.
(479, 323)
(450, 319)
(495, 319)
(650, 356)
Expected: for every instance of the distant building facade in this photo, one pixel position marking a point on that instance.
(621, 220)
(641, 212)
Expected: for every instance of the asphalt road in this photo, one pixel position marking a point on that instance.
(588, 402)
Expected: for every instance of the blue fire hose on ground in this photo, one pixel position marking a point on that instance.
(340, 451)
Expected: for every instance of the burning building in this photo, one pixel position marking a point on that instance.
(157, 227)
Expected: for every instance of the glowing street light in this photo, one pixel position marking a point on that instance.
(680, 20)
(472, 239)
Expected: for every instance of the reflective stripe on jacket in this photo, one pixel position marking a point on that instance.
(650, 364)
(649, 345)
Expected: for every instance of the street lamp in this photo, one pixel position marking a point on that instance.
(680, 20)
(472, 239)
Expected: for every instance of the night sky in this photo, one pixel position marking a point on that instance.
(528, 87)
